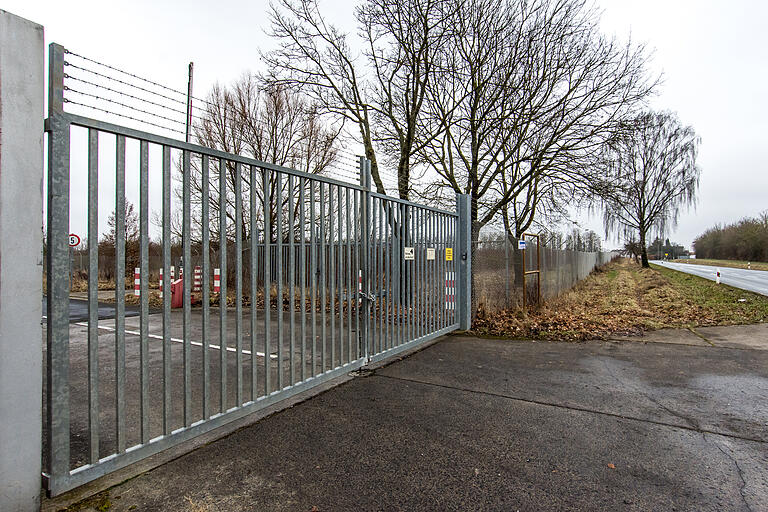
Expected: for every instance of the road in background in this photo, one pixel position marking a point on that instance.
(78, 310)
(751, 280)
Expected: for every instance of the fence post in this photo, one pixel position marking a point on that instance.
(21, 252)
(464, 253)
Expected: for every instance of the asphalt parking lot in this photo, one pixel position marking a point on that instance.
(478, 424)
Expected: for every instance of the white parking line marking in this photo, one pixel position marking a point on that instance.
(177, 340)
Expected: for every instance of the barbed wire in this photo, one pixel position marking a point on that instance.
(126, 73)
(122, 93)
(123, 82)
(115, 102)
(67, 100)
(345, 164)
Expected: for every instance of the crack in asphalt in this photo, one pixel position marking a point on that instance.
(573, 408)
(693, 423)
(738, 469)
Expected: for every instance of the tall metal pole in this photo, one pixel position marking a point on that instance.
(189, 102)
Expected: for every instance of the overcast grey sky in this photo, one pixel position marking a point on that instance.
(713, 55)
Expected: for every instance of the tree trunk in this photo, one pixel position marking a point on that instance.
(644, 251)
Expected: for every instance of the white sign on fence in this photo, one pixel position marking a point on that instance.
(408, 254)
(430, 253)
(521, 244)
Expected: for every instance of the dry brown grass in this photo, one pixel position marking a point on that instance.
(624, 298)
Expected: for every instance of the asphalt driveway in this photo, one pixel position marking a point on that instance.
(477, 424)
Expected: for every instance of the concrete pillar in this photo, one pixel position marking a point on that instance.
(21, 222)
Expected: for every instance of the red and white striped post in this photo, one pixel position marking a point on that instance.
(137, 281)
(173, 272)
(450, 290)
(197, 284)
(216, 280)
(161, 282)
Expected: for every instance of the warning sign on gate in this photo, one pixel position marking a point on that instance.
(430, 253)
(408, 254)
(449, 254)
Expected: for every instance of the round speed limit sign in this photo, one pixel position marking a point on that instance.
(74, 240)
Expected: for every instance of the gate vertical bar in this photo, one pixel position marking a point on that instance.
(365, 264)
(349, 267)
(223, 285)
(144, 287)
(267, 277)
(279, 276)
(120, 290)
(167, 403)
(313, 256)
(303, 277)
(332, 275)
(187, 283)
(206, 263)
(93, 295)
(291, 282)
(238, 284)
(57, 363)
(464, 250)
(322, 276)
(254, 273)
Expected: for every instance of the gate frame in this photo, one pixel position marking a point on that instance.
(58, 124)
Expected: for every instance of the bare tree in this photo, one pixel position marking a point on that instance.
(267, 123)
(108, 247)
(383, 92)
(649, 175)
(527, 92)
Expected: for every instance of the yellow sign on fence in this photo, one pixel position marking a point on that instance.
(449, 254)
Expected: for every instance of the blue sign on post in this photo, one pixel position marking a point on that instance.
(521, 245)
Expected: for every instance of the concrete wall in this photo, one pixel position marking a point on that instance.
(21, 221)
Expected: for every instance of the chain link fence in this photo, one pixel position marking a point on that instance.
(499, 265)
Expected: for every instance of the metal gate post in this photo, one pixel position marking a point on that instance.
(365, 295)
(464, 253)
(21, 250)
(57, 362)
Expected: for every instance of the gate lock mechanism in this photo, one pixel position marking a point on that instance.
(368, 296)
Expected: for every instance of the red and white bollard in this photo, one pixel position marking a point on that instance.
(216, 280)
(173, 272)
(450, 290)
(137, 281)
(197, 284)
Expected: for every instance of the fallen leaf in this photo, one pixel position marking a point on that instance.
(611, 466)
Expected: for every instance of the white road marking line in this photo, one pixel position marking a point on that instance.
(177, 340)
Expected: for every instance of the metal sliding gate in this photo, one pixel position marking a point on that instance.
(358, 277)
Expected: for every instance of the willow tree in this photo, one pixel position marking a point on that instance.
(649, 175)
